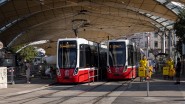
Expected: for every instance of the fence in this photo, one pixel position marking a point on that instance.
(92, 73)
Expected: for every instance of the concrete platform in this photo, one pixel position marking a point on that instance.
(160, 91)
(21, 86)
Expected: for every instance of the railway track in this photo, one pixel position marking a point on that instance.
(64, 99)
(70, 97)
(28, 99)
(94, 100)
(35, 97)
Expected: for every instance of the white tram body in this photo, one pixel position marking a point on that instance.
(77, 60)
(121, 59)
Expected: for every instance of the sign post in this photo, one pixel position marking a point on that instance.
(147, 70)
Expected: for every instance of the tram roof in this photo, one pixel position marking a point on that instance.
(25, 21)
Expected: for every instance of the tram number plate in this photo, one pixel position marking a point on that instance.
(116, 74)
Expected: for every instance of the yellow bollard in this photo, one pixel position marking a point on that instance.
(142, 72)
(165, 71)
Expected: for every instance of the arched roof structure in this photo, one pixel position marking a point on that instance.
(25, 21)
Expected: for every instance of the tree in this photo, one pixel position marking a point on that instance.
(27, 53)
(179, 27)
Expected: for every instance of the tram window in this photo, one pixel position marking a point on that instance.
(67, 54)
(82, 56)
(85, 55)
(88, 56)
(117, 53)
(134, 55)
(130, 55)
(94, 56)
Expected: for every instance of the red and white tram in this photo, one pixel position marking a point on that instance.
(121, 59)
(77, 60)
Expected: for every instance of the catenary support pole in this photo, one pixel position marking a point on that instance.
(147, 52)
(170, 43)
(163, 42)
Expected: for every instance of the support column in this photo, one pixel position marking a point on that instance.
(170, 43)
(163, 42)
(175, 53)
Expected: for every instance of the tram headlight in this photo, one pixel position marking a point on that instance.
(75, 71)
(58, 72)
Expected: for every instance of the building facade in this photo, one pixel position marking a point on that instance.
(154, 41)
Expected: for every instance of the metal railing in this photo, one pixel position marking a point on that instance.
(92, 70)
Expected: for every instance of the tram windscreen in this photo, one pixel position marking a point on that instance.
(67, 54)
(117, 53)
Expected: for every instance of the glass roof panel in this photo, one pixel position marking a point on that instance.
(2, 1)
(157, 25)
(141, 12)
(174, 6)
(165, 23)
(176, 10)
(162, 1)
(169, 27)
(160, 20)
(178, 4)
(170, 22)
(39, 42)
(9, 25)
(170, 5)
(2, 29)
(154, 17)
(148, 15)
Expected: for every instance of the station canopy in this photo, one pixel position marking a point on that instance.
(25, 21)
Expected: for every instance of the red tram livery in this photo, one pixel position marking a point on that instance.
(77, 60)
(122, 57)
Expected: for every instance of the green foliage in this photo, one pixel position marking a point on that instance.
(27, 53)
(179, 27)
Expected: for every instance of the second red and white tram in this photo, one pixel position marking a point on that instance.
(77, 60)
(121, 59)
